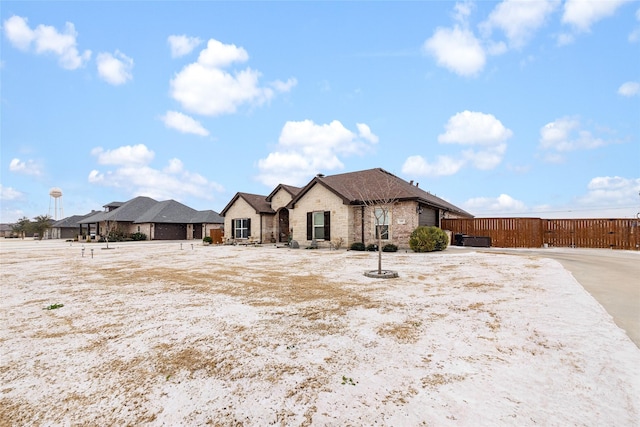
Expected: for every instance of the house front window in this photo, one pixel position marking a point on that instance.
(241, 228)
(319, 225)
(381, 221)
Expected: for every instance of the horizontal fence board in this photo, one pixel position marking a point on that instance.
(536, 232)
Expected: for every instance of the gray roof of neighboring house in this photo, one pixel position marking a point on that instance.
(376, 185)
(256, 201)
(128, 212)
(147, 210)
(168, 211)
(72, 221)
(113, 205)
(207, 217)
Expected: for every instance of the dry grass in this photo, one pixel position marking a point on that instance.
(239, 328)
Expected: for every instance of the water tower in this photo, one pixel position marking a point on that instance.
(54, 194)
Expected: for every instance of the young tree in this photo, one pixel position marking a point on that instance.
(379, 193)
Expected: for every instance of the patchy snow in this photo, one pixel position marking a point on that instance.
(164, 333)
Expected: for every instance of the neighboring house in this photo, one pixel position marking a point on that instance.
(70, 228)
(166, 220)
(346, 206)
(6, 230)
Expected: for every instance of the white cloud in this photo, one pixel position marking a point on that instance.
(134, 174)
(19, 33)
(280, 86)
(501, 205)
(486, 159)
(130, 155)
(566, 134)
(174, 166)
(474, 128)
(114, 69)
(462, 12)
(606, 197)
(365, 132)
(204, 87)
(468, 128)
(582, 14)
(456, 49)
(519, 20)
(183, 123)
(305, 149)
(47, 40)
(30, 167)
(634, 35)
(629, 89)
(182, 45)
(443, 166)
(608, 194)
(8, 193)
(220, 55)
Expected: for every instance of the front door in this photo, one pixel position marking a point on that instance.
(283, 225)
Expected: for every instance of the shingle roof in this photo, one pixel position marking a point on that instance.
(147, 210)
(128, 212)
(72, 221)
(207, 217)
(168, 211)
(113, 205)
(288, 188)
(376, 185)
(256, 201)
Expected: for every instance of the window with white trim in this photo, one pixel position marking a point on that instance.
(319, 225)
(241, 228)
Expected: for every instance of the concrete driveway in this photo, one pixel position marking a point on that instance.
(612, 277)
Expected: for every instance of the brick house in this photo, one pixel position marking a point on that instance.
(351, 207)
(166, 220)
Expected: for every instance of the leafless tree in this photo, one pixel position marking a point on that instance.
(379, 193)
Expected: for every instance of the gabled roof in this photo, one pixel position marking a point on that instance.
(72, 221)
(372, 185)
(128, 212)
(288, 188)
(207, 217)
(256, 201)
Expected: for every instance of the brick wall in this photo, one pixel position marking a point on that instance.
(242, 209)
(280, 199)
(403, 219)
(318, 198)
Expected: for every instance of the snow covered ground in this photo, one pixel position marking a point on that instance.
(170, 333)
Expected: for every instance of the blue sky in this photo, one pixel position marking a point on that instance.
(514, 108)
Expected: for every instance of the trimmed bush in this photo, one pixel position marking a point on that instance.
(138, 236)
(372, 247)
(428, 239)
(389, 247)
(357, 246)
(207, 239)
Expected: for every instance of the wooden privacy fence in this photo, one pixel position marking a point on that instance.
(538, 232)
